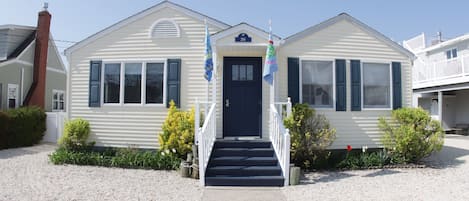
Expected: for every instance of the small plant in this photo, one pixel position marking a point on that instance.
(117, 157)
(365, 159)
(311, 134)
(178, 131)
(75, 135)
(411, 134)
(26, 126)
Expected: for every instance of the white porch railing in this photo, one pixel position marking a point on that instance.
(205, 136)
(425, 72)
(280, 136)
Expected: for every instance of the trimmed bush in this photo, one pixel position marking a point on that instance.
(27, 126)
(119, 157)
(75, 134)
(178, 131)
(411, 134)
(311, 134)
(4, 121)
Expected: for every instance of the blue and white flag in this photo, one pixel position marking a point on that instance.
(270, 66)
(208, 56)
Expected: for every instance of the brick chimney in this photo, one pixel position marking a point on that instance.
(37, 91)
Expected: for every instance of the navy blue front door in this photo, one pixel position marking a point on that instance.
(242, 96)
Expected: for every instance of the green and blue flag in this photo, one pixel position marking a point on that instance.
(270, 66)
(208, 56)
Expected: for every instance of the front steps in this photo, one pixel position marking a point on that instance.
(243, 163)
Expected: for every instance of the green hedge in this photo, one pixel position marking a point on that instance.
(4, 120)
(21, 127)
(117, 157)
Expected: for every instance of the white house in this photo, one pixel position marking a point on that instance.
(122, 78)
(440, 79)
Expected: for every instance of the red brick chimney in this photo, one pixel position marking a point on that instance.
(36, 94)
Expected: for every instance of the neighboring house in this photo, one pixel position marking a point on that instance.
(122, 78)
(440, 79)
(31, 69)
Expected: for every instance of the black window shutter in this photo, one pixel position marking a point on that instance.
(174, 82)
(396, 85)
(294, 79)
(94, 99)
(356, 85)
(340, 84)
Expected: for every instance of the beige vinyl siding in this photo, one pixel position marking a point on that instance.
(345, 40)
(138, 125)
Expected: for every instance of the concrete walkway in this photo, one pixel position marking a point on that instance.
(243, 194)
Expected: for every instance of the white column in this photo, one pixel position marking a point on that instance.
(440, 107)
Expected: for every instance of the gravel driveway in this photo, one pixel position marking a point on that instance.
(25, 174)
(447, 179)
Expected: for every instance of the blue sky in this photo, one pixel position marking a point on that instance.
(74, 20)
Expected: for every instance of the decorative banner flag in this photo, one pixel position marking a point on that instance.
(208, 56)
(270, 66)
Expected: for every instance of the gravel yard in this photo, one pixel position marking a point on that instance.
(447, 179)
(25, 174)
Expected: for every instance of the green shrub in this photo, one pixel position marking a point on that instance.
(310, 134)
(411, 134)
(27, 126)
(119, 157)
(75, 134)
(4, 122)
(178, 131)
(358, 160)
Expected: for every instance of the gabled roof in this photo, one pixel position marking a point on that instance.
(14, 40)
(243, 26)
(347, 17)
(133, 18)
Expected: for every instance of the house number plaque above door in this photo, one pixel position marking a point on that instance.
(243, 38)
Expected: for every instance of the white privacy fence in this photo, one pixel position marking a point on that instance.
(440, 70)
(55, 125)
(280, 136)
(205, 136)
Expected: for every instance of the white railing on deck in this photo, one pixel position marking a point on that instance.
(440, 70)
(280, 136)
(205, 136)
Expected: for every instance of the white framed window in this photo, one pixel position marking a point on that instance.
(376, 85)
(12, 96)
(317, 78)
(452, 53)
(58, 100)
(134, 83)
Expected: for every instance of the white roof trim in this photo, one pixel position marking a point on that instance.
(133, 18)
(447, 43)
(345, 16)
(29, 64)
(15, 26)
(244, 27)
